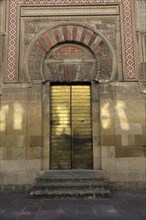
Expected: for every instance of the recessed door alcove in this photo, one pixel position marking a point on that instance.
(74, 107)
(70, 54)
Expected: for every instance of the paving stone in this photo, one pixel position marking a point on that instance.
(27, 216)
(122, 206)
(49, 214)
(106, 211)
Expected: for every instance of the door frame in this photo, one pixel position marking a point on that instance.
(95, 111)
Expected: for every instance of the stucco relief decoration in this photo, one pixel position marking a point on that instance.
(13, 34)
(41, 66)
(69, 62)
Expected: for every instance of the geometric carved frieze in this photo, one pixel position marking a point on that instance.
(13, 31)
(97, 44)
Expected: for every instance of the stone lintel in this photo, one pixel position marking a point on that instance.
(69, 10)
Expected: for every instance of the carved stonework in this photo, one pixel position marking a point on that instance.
(96, 43)
(69, 63)
(141, 47)
(141, 14)
(109, 26)
(20, 9)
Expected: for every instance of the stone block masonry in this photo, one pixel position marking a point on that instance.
(123, 137)
(89, 42)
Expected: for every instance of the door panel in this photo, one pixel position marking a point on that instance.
(60, 127)
(71, 133)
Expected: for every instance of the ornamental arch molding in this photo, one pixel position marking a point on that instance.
(97, 55)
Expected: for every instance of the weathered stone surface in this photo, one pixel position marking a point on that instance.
(13, 166)
(140, 139)
(18, 153)
(108, 152)
(122, 163)
(118, 140)
(108, 163)
(33, 153)
(6, 153)
(131, 140)
(140, 14)
(15, 89)
(144, 150)
(137, 163)
(11, 141)
(20, 97)
(3, 8)
(1, 178)
(129, 151)
(45, 153)
(137, 175)
(117, 175)
(33, 165)
(120, 185)
(107, 140)
(7, 97)
(34, 119)
(19, 178)
(35, 141)
(34, 97)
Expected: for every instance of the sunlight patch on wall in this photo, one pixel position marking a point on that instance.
(122, 117)
(3, 117)
(105, 116)
(17, 116)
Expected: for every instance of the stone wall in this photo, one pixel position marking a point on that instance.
(3, 10)
(140, 13)
(25, 106)
(24, 124)
(140, 6)
(123, 134)
(20, 132)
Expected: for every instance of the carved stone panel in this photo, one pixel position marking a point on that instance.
(69, 63)
(76, 65)
(51, 13)
(141, 14)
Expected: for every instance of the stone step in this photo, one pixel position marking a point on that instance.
(63, 176)
(73, 173)
(64, 180)
(92, 194)
(70, 185)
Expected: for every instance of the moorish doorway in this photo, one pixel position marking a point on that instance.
(71, 126)
(69, 54)
(71, 106)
